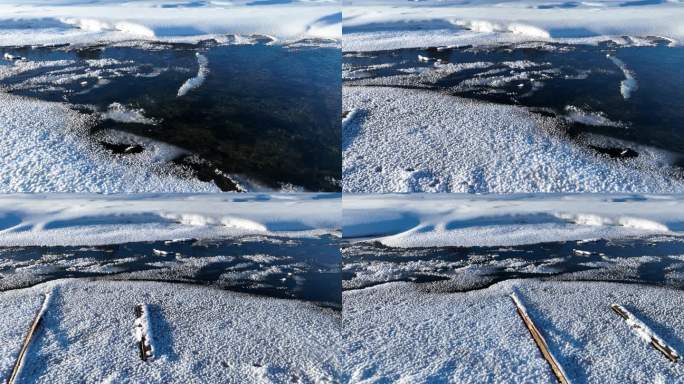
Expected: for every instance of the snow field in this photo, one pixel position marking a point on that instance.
(429, 220)
(402, 140)
(76, 22)
(383, 25)
(400, 332)
(200, 335)
(73, 219)
(44, 148)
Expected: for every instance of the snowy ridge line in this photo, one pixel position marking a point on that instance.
(76, 219)
(646, 333)
(143, 333)
(386, 24)
(540, 341)
(198, 80)
(629, 85)
(37, 321)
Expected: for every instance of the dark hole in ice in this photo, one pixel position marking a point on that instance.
(123, 149)
(616, 152)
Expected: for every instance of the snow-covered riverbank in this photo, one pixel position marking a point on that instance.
(371, 25)
(399, 332)
(80, 219)
(198, 334)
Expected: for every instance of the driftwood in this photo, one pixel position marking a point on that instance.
(540, 341)
(37, 321)
(142, 332)
(657, 343)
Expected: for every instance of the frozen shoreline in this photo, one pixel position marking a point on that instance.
(406, 140)
(199, 333)
(371, 25)
(84, 219)
(434, 220)
(460, 337)
(35, 23)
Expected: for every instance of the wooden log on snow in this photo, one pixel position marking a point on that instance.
(643, 331)
(37, 321)
(143, 334)
(540, 341)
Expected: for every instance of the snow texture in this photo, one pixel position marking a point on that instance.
(403, 140)
(372, 25)
(196, 82)
(629, 85)
(73, 219)
(44, 147)
(122, 114)
(37, 22)
(432, 220)
(201, 335)
(397, 332)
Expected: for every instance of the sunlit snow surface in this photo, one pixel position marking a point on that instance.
(372, 25)
(427, 280)
(105, 67)
(524, 117)
(200, 335)
(235, 287)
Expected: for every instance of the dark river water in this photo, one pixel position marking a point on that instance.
(268, 112)
(551, 79)
(303, 268)
(650, 260)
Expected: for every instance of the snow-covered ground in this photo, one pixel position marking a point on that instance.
(85, 219)
(400, 140)
(433, 220)
(371, 25)
(398, 332)
(37, 22)
(198, 334)
(44, 148)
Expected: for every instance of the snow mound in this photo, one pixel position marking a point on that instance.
(122, 114)
(418, 141)
(425, 220)
(514, 28)
(198, 80)
(93, 25)
(73, 219)
(85, 22)
(200, 334)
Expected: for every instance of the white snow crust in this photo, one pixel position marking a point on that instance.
(371, 25)
(74, 219)
(397, 332)
(432, 220)
(201, 335)
(44, 148)
(403, 140)
(38, 22)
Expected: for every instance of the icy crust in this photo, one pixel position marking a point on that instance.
(428, 220)
(44, 148)
(403, 140)
(398, 333)
(200, 335)
(197, 80)
(73, 219)
(37, 22)
(384, 25)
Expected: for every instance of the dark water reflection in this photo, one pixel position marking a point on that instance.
(303, 268)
